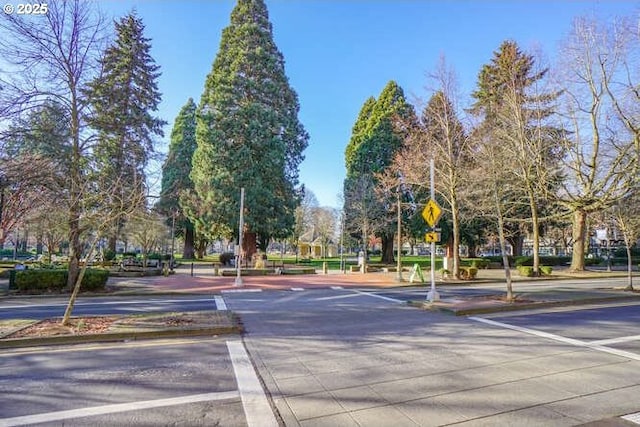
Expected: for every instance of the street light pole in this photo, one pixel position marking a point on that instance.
(173, 239)
(238, 281)
(399, 232)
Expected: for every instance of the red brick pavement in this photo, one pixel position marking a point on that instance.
(203, 280)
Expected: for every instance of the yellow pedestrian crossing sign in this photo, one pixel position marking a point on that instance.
(432, 212)
(432, 237)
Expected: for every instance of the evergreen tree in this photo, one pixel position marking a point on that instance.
(175, 174)
(123, 98)
(373, 144)
(248, 134)
(515, 108)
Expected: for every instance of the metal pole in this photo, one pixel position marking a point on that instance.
(238, 281)
(433, 294)
(173, 240)
(342, 266)
(399, 232)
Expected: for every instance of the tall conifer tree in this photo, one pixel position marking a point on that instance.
(374, 142)
(175, 173)
(123, 99)
(248, 133)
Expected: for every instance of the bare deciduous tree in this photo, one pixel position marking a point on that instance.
(53, 57)
(601, 161)
(441, 135)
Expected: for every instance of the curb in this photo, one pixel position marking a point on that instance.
(517, 307)
(118, 336)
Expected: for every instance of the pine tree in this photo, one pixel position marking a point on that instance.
(248, 134)
(123, 98)
(175, 174)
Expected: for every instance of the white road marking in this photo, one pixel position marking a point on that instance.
(297, 289)
(239, 291)
(616, 340)
(220, 304)
(256, 406)
(634, 418)
(337, 288)
(337, 297)
(115, 408)
(554, 337)
(371, 294)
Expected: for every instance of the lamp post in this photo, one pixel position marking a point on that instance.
(342, 269)
(238, 281)
(399, 233)
(173, 239)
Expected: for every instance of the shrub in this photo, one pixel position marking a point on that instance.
(109, 255)
(55, 280)
(546, 260)
(226, 257)
(479, 262)
(525, 270)
(468, 273)
(546, 270)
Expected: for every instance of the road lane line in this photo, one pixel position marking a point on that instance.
(115, 408)
(220, 304)
(559, 338)
(256, 406)
(337, 297)
(615, 340)
(371, 294)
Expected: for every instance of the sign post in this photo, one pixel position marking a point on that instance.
(431, 214)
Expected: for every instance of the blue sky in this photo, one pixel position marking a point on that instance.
(340, 52)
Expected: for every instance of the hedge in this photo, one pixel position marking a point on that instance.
(47, 280)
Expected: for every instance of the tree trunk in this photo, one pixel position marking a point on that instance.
(516, 242)
(188, 251)
(503, 246)
(111, 243)
(249, 245)
(75, 248)
(579, 237)
(387, 248)
(629, 265)
(536, 238)
(456, 236)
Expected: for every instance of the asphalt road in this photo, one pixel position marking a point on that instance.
(348, 357)
(189, 382)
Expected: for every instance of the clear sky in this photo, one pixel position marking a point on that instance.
(340, 52)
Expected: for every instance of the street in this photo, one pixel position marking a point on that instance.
(348, 357)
